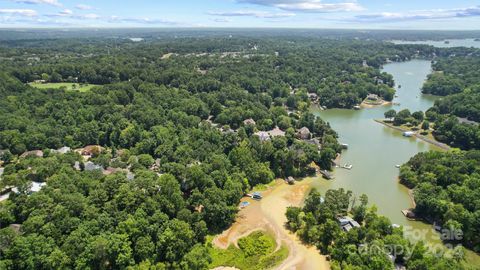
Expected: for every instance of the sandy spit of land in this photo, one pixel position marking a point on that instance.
(374, 105)
(421, 137)
(269, 215)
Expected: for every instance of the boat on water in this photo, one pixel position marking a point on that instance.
(347, 166)
(397, 166)
(408, 133)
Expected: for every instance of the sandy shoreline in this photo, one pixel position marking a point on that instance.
(371, 105)
(269, 215)
(421, 137)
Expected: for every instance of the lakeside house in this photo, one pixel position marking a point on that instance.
(347, 223)
(304, 133)
(372, 97)
(313, 97)
(315, 142)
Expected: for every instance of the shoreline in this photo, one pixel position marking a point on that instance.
(367, 105)
(421, 137)
(269, 215)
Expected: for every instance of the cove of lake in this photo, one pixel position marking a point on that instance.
(374, 150)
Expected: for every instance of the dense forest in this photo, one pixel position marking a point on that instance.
(181, 129)
(178, 129)
(447, 190)
(456, 116)
(364, 242)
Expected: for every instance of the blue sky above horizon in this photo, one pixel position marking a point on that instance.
(364, 14)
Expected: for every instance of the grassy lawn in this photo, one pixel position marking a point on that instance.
(257, 251)
(67, 86)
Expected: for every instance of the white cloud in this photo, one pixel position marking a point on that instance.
(83, 7)
(251, 13)
(19, 12)
(313, 6)
(435, 14)
(222, 20)
(139, 20)
(90, 16)
(37, 2)
(66, 12)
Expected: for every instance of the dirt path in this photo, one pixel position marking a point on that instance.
(269, 215)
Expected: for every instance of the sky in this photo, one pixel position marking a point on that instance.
(355, 14)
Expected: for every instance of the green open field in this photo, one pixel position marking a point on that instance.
(256, 251)
(67, 86)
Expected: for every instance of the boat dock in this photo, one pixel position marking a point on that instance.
(326, 174)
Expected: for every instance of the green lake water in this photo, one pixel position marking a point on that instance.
(374, 149)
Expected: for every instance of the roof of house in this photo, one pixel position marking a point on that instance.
(90, 166)
(36, 186)
(263, 135)
(89, 149)
(249, 121)
(466, 121)
(62, 150)
(38, 153)
(304, 130)
(348, 223)
(276, 132)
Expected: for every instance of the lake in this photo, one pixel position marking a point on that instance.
(375, 150)
(441, 43)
